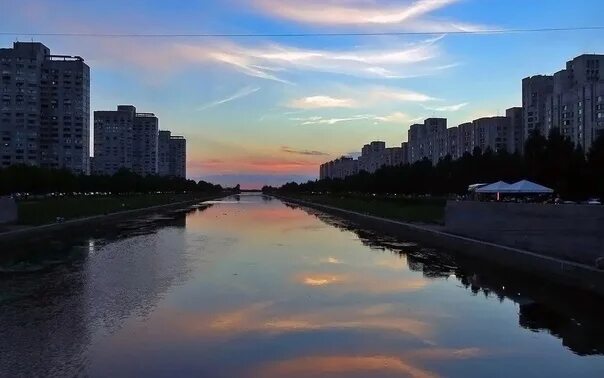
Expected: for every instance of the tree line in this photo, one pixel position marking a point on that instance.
(553, 161)
(36, 180)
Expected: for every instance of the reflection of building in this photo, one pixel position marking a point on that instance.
(44, 109)
(570, 315)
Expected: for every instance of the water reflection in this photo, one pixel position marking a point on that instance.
(573, 316)
(56, 299)
(250, 287)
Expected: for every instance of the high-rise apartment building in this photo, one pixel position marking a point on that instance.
(146, 131)
(494, 133)
(428, 140)
(45, 108)
(515, 116)
(163, 153)
(178, 156)
(571, 101)
(465, 138)
(536, 99)
(171, 155)
(125, 139)
(452, 146)
(372, 156)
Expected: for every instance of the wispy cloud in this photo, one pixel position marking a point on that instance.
(360, 98)
(396, 117)
(410, 16)
(274, 61)
(447, 108)
(290, 150)
(243, 92)
(333, 121)
(316, 102)
(402, 95)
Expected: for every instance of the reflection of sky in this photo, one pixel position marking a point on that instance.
(265, 110)
(273, 291)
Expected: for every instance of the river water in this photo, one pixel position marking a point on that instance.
(252, 287)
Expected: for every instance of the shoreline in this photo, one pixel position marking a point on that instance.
(48, 230)
(562, 271)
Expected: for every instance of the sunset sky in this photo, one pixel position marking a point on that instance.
(265, 110)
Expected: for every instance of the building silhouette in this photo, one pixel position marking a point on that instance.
(126, 139)
(172, 155)
(45, 108)
(571, 101)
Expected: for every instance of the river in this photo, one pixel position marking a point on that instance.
(249, 286)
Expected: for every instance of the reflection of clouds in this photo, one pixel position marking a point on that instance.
(331, 260)
(446, 353)
(393, 263)
(342, 365)
(358, 283)
(320, 280)
(366, 365)
(264, 317)
(236, 318)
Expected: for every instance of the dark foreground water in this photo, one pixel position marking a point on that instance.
(251, 287)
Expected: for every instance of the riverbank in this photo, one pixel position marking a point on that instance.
(38, 212)
(550, 268)
(416, 210)
(24, 233)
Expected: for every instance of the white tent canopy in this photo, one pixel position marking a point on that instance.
(497, 187)
(528, 187)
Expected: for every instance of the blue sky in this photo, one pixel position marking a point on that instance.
(265, 110)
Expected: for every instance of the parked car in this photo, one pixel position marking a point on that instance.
(594, 201)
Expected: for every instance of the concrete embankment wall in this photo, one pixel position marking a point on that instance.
(569, 232)
(549, 268)
(38, 233)
(8, 210)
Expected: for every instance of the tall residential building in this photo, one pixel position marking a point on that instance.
(372, 156)
(465, 135)
(428, 140)
(536, 99)
(405, 152)
(452, 148)
(45, 108)
(571, 101)
(393, 156)
(171, 155)
(178, 156)
(146, 130)
(517, 128)
(163, 153)
(493, 133)
(125, 139)
(577, 104)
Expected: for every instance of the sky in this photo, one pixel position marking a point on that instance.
(270, 109)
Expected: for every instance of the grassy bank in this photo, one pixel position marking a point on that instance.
(44, 211)
(421, 210)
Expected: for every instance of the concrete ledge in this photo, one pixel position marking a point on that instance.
(550, 268)
(50, 230)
